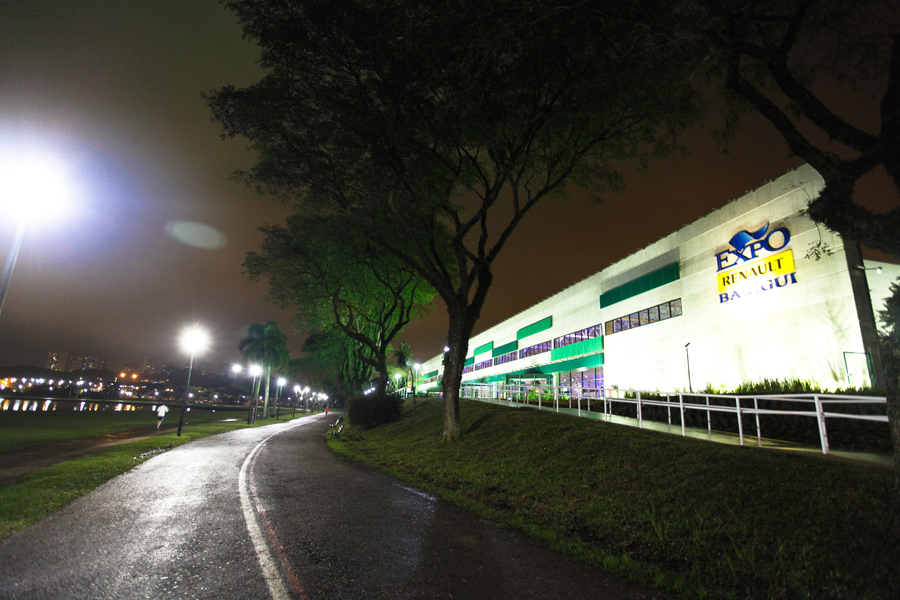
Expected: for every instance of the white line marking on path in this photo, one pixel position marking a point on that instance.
(249, 502)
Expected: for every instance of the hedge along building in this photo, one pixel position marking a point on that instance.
(754, 290)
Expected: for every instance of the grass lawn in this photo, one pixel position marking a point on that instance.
(693, 518)
(21, 428)
(37, 495)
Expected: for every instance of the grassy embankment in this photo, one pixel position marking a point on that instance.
(26, 501)
(693, 518)
(22, 428)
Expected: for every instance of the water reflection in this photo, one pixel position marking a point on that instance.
(19, 405)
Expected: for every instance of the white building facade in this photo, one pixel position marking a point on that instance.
(755, 290)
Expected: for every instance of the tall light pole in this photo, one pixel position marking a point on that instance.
(296, 397)
(193, 340)
(28, 184)
(687, 354)
(416, 366)
(235, 368)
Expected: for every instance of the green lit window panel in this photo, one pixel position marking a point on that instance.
(469, 361)
(648, 282)
(505, 349)
(485, 348)
(534, 328)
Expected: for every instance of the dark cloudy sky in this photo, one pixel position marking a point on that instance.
(113, 88)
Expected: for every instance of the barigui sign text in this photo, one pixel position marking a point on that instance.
(758, 262)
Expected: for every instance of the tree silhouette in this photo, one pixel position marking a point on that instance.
(267, 346)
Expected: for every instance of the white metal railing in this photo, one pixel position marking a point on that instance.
(579, 399)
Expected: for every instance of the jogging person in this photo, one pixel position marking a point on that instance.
(161, 414)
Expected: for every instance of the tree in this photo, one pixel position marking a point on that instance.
(337, 353)
(331, 276)
(767, 53)
(405, 361)
(444, 124)
(267, 346)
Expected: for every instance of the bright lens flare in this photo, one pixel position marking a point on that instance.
(194, 339)
(32, 185)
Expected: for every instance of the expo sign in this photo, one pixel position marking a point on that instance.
(757, 262)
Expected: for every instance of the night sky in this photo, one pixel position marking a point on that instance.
(113, 87)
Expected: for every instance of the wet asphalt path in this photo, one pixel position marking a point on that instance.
(271, 513)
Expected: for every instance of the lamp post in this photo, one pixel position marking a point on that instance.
(416, 380)
(688, 356)
(29, 184)
(306, 400)
(193, 340)
(397, 377)
(294, 403)
(235, 368)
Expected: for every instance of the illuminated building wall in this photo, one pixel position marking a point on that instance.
(755, 288)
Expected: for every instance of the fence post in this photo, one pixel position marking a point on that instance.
(669, 410)
(737, 402)
(820, 417)
(681, 408)
(708, 418)
(758, 432)
(640, 419)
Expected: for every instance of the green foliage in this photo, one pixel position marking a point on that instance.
(692, 518)
(371, 410)
(334, 279)
(890, 338)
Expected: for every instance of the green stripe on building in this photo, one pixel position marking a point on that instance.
(586, 347)
(505, 349)
(534, 328)
(469, 361)
(650, 281)
(484, 348)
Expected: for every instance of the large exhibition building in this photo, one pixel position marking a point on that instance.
(755, 290)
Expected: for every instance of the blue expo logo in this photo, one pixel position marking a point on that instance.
(747, 246)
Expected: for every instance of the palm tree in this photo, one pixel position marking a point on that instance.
(266, 345)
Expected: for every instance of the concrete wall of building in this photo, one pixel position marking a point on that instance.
(806, 328)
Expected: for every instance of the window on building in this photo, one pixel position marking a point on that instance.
(536, 349)
(654, 314)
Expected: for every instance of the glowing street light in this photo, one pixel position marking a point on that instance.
(193, 340)
(28, 185)
(235, 368)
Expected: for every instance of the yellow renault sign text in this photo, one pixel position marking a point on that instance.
(771, 266)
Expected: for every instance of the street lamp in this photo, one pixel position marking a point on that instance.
(235, 368)
(193, 340)
(29, 184)
(294, 403)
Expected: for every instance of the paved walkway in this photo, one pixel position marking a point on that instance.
(271, 512)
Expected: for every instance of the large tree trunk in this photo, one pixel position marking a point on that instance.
(454, 361)
(893, 414)
(266, 398)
